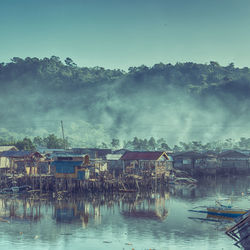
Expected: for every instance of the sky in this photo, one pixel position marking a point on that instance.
(124, 33)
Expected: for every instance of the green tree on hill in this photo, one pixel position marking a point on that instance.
(25, 144)
(115, 143)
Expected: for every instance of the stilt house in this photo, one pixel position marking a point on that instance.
(147, 163)
(234, 161)
(25, 162)
(71, 166)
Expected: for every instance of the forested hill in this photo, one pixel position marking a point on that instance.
(179, 102)
(54, 74)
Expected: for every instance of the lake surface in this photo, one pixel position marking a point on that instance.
(126, 221)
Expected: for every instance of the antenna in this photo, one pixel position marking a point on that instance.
(63, 135)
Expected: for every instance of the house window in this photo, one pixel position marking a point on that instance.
(186, 161)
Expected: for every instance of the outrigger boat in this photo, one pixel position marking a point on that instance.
(225, 211)
(222, 210)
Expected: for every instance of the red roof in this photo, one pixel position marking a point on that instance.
(142, 155)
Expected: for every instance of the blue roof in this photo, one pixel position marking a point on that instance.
(44, 150)
(17, 154)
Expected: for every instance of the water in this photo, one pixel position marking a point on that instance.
(127, 221)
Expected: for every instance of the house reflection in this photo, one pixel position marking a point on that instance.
(17, 209)
(153, 208)
(79, 211)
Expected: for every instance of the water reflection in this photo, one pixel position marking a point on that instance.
(153, 207)
(12, 208)
(77, 211)
(123, 221)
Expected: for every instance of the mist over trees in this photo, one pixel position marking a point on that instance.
(51, 142)
(136, 144)
(161, 145)
(182, 102)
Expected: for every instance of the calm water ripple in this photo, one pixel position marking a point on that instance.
(124, 221)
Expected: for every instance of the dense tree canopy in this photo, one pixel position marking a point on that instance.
(33, 89)
(51, 141)
(136, 144)
(54, 73)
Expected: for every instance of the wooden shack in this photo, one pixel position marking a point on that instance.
(147, 163)
(234, 161)
(186, 160)
(207, 163)
(4, 161)
(71, 166)
(20, 161)
(114, 164)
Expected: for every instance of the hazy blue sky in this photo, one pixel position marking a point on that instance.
(123, 33)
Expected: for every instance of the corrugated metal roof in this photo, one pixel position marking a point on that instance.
(142, 155)
(19, 154)
(92, 151)
(67, 155)
(64, 154)
(120, 151)
(8, 148)
(191, 154)
(113, 157)
(233, 153)
(44, 150)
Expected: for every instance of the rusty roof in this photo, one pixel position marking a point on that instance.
(148, 155)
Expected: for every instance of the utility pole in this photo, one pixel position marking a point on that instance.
(63, 135)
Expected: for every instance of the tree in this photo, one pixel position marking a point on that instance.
(56, 59)
(165, 147)
(25, 144)
(135, 143)
(104, 145)
(184, 146)
(152, 144)
(17, 60)
(228, 143)
(162, 145)
(53, 142)
(128, 145)
(244, 143)
(230, 66)
(69, 62)
(115, 143)
(38, 141)
(176, 148)
(214, 64)
(196, 145)
(145, 144)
